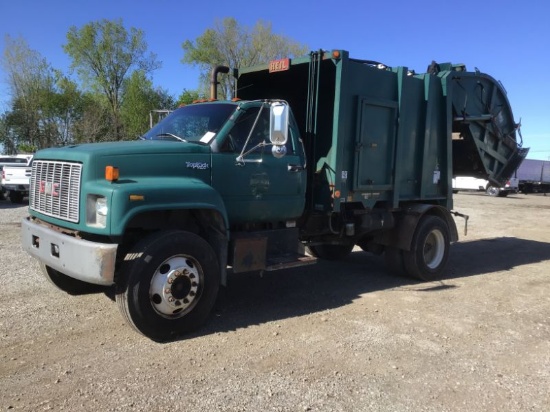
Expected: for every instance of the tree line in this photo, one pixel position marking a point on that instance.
(114, 93)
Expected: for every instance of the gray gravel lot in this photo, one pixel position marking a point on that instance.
(338, 336)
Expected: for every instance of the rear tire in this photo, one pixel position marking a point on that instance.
(429, 249)
(169, 284)
(492, 191)
(16, 197)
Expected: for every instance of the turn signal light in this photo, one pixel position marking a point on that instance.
(111, 173)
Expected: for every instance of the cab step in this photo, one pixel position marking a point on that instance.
(289, 261)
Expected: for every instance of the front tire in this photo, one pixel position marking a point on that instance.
(169, 284)
(429, 249)
(16, 197)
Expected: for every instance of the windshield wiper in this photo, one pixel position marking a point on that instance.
(181, 139)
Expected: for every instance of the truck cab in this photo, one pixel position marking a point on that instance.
(243, 165)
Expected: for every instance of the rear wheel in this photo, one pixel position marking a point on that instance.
(492, 191)
(16, 197)
(331, 252)
(169, 284)
(429, 249)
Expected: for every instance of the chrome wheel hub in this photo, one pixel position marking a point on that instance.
(175, 286)
(434, 249)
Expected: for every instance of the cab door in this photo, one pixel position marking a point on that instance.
(255, 185)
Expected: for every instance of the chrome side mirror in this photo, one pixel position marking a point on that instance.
(278, 123)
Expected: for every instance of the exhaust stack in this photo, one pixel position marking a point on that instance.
(214, 80)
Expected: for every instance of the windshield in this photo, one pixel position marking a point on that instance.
(194, 123)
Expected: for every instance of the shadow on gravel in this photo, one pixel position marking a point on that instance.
(251, 299)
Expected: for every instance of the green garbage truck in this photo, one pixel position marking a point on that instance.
(309, 158)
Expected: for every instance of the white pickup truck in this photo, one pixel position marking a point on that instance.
(16, 173)
(468, 183)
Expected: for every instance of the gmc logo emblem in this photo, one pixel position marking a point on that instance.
(49, 188)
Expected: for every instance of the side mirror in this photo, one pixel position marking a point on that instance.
(278, 123)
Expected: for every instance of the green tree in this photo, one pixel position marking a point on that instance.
(230, 44)
(6, 138)
(104, 54)
(42, 99)
(94, 123)
(189, 96)
(139, 100)
(28, 75)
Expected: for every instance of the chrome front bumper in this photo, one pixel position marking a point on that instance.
(87, 261)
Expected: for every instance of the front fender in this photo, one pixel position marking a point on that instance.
(132, 198)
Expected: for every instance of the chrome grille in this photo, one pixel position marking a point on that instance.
(55, 189)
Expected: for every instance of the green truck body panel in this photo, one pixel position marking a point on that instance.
(376, 134)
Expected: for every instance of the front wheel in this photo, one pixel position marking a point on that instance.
(429, 249)
(169, 284)
(16, 197)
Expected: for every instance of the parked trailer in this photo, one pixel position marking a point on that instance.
(534, 176)
(322, 152)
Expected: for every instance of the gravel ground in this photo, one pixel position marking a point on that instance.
(338, 336)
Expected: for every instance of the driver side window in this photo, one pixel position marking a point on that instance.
(241, 130)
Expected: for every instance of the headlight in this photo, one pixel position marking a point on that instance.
(96, 211)
(101, 206)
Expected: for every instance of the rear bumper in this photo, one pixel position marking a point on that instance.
(87, 261)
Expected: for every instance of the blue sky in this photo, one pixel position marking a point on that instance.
(507, 39)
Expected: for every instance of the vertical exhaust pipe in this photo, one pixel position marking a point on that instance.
(214, 80)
